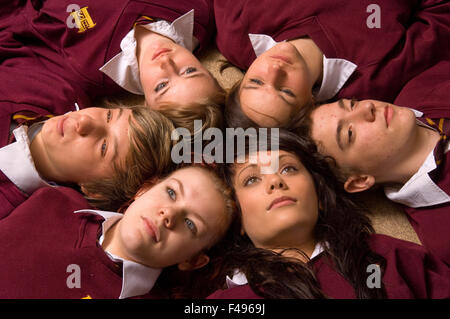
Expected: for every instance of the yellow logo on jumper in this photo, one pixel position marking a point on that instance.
(83, 20)
(87, 297)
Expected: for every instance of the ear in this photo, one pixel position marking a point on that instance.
(359, 183)
(194, 263)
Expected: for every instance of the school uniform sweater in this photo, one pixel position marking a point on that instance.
(413, 36)
(77, 44)
(411, 272)
(426, 201)
(48, 251)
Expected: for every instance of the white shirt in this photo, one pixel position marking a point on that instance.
(419, 190)
(137, 279)
(335, 71)
(18, 165)
(240, 279)
(124, 69)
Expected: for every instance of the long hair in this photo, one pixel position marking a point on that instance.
(343, 229)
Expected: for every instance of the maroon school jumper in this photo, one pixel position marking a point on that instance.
(42, 237)
(429, 93)
(411, 272)
(414, 35)
(77, 54)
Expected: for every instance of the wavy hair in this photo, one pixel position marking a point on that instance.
(343, 229)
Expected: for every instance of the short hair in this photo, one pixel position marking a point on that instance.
(149, 156)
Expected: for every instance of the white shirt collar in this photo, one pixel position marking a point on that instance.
(18, 165)
(123, 68)
(336, 72)
(240, 279)
(419, 190)
(137, 279)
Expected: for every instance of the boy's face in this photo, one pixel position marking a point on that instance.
(82, 146)
(174, 220)
(276, 86)
(365, 136)
(172, 74)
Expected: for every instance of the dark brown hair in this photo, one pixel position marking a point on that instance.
(343, 229)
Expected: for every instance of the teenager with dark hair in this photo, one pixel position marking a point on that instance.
(301, 237)
(402, 147)
(315, 51)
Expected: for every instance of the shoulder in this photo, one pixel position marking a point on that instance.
(51, 197)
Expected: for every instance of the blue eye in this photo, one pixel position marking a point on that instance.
(256, 81)
(103, 149)
(190, 225)
(171, 193)
(190, 70)
(160, 86)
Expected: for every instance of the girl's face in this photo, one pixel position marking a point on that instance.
(278, 209)
(82, 146)
(276, 86)
(173, 221)
(172, 74)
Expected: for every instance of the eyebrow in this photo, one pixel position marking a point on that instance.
(339, 126)
(115, 142)
(181, 187)
(186, 77)
(279, 94)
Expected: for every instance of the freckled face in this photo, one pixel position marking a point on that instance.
(367, 136)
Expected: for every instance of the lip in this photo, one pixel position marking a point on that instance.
(281, 201)
(151, 228)
(60, 125)
(282, 58)
(388, 112)
(159, 52)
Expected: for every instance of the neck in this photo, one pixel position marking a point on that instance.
(313, 57)
(306, 247)
(40, 159)
(424, 143)
(144, 39)
(109, 243)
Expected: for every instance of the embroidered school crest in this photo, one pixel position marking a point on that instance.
(83, 20)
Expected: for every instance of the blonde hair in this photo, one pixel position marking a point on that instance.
(209, 110)
(149, 156)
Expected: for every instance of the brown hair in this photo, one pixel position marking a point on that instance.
(343, 228)
(209, 110)
(149, 156)
(235, 117)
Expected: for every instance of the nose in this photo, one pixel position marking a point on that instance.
(168, 215)
(365, 110)
(274, 182)
(274, 73)
(86, 125)
(167, 63)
